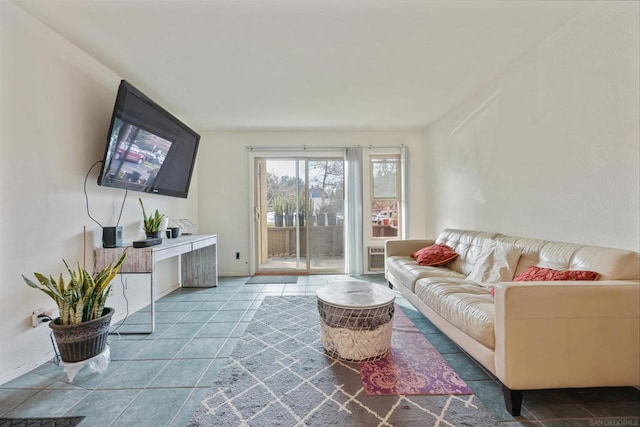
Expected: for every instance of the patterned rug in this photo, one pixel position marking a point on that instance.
(412, 367)
(286, 280)
(279, 375)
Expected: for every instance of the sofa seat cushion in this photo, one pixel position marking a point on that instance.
(463, 303)
(407, 271)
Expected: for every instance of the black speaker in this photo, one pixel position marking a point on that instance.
(112, 237)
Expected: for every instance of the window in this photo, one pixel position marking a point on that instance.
(385, 195)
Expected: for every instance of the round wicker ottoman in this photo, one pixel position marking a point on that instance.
(356, 320)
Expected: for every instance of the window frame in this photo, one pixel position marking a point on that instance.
(398, 199)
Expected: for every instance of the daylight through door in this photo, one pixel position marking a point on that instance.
(299, 214)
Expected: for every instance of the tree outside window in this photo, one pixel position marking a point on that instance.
(385, 201)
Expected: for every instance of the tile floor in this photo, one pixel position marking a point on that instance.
(159, 379)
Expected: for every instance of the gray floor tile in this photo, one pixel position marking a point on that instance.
(552, 404)
(212, 372)
(48, 403)
(273, 288)
(90, 380)
(137, 318)
(523, 423)
(190, 405)
(237, 305)
(245, 295)
(154, 407)
(442, 343)
(199, 348)
(566, 422)
(135, 374)
(127, 331)
(227, 290)
(216, 330)
(239, 329)
(181, 306)
(182, 330)
(197, 316)
(608, 401)
(228, 316)
(490, 393)
(29, 380)
(49, 370)
(425, 326)
(209, 305)
(219, 297)
(228, 347)
(10, 398)
(126, 349)
(61, 385)
(169, 316)
(102, 407)
(465, 367)
(162, 349)
(184, 296)
(181, 373)
(248, 316)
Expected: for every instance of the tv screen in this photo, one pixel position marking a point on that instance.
(148, 149)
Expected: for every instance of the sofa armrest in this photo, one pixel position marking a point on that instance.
(405, 247)
(567, 334)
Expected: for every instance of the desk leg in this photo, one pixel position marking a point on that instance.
(199, 268)
(153, 311)
(153, 302)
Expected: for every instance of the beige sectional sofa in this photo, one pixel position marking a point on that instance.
(535, 334)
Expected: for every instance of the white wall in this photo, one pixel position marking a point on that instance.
(551, 149)
(55, 106)
(225, 200)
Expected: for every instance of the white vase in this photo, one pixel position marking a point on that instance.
(165, 223)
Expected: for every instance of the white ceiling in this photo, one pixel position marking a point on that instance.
(305, 64)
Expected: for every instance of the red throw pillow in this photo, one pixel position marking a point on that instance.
(539, 274)
(435, 255)
(535, 273)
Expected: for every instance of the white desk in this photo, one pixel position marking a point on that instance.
(198, 261)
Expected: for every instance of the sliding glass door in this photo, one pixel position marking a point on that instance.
(299, 214)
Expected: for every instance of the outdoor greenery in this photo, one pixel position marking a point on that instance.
(326, 186)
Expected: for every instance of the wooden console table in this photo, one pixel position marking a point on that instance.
(198, 261)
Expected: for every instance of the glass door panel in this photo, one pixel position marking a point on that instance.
(326, 204)
(300, 211)
(281, 231)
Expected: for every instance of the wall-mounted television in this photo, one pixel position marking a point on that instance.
(148, 149)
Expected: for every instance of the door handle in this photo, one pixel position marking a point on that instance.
(256, 213)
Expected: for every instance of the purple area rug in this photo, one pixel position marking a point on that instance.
(412, 367)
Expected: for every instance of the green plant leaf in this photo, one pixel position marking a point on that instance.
(83, 296)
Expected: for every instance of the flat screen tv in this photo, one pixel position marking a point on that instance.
(148, 149)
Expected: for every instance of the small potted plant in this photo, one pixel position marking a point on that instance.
(151, 224)
(289, 208)
(278, 211)
(82, 329)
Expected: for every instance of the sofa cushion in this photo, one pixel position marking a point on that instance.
(434, 255)
(467, 244)
(496, 263)
(406, 271)
(535, 273)
(465, 304)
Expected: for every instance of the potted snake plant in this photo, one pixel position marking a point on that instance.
(151, 224)
(82, 329)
